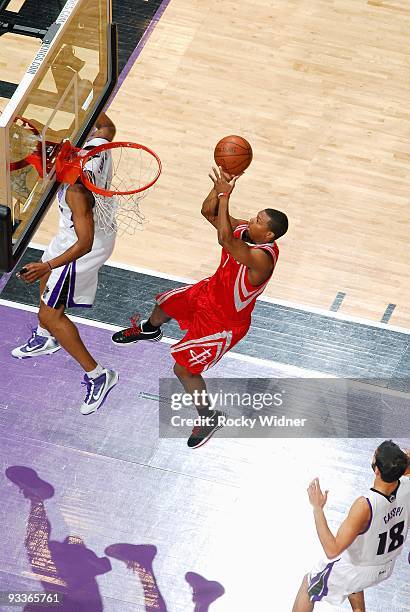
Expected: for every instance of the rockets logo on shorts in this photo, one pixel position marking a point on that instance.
(200, 354)
(199, 358)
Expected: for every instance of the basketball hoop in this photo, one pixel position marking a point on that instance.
(135, 170)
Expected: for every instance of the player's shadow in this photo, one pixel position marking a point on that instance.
(139, 559)
(70, 568)
(67, 567)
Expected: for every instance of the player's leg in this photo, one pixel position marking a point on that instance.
(99, 380)
(158, 317)
(173, 304)
(195, 385)
(147, 329)
(66, 333)
(357, 602)
(41, 341)
(302, 601)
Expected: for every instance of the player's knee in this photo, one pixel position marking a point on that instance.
(181, 372)
(47, 315)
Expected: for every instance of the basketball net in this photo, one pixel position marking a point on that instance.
(121, 213)
(119, 175)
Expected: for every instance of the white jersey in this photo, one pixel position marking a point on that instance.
(76, 283)
(387, 531)
(99, 170)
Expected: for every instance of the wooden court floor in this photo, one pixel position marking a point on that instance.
(321, 90)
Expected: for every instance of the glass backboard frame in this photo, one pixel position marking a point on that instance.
(12, 243)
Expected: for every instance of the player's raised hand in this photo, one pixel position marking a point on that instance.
(223, 182)
(317, 498)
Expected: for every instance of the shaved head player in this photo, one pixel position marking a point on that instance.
(216, 312)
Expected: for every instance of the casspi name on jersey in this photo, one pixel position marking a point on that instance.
(394, 512)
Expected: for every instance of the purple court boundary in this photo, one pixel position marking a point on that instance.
(134, 55)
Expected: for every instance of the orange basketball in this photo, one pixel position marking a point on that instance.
(233, 153)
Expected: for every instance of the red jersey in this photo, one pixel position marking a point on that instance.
(229, 289)
(216, 311)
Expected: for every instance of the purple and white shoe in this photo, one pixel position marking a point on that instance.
(36, 346)
(97, 390)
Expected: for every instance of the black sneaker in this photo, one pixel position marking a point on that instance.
(201, 434)
(134, 334)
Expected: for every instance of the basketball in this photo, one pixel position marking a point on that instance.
(233, 153)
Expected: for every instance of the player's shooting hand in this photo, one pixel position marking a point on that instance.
(316, 497)
(223, 182)
(34, 271)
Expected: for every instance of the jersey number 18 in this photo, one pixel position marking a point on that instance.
(396, 538)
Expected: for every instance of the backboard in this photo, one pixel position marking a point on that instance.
(60, 96)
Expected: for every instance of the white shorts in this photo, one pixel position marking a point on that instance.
(75, 284)
(334, 581)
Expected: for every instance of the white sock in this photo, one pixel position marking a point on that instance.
(43, 332)
(96, 372)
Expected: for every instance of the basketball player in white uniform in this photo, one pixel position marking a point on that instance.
(368, 542)
(68, 273)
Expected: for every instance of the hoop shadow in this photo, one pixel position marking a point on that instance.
(68, 567)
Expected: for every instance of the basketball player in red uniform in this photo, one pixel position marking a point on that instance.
(216, 312)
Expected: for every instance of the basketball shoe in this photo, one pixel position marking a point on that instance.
(97, 390)
(35, 346)
(136, 333)
(201, 434)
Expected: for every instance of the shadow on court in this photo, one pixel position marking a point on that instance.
(70, 569)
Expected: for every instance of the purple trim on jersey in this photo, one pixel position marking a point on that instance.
(370, 519)
(55, 294)
(323, 575)
(70, 299)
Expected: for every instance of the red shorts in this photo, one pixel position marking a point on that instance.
(208, 337)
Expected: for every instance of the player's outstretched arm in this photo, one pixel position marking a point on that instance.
(354, 524)
(105, 128)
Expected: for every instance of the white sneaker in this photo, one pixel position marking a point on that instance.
(97, 390)
(36, 346)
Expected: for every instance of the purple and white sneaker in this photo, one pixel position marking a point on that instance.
(36, 346)
(97, 390)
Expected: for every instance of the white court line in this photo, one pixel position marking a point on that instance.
(306, 308)
(291, 370)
